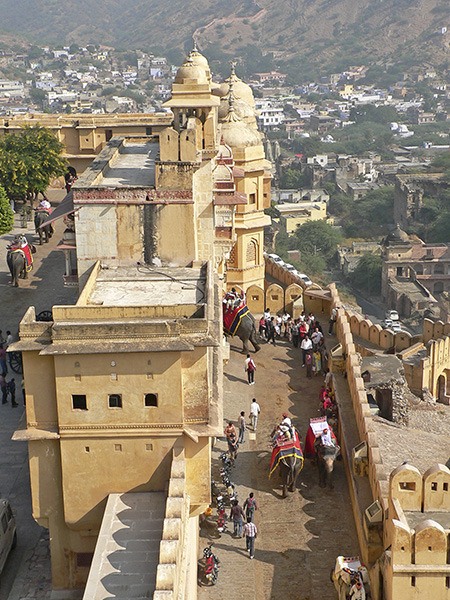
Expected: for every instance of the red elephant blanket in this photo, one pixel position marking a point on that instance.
(232, 318)
(286, 450)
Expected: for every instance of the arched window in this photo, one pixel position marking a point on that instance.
(252, 253)
(232, 261)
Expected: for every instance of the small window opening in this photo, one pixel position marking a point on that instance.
(115, 400)
(409, 486)
(79, 401)
(84, 559)
(118, 447)
(413, 581)
(445, 487)
(151, 399)
(434, 486)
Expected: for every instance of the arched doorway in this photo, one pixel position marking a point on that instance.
(442, 389)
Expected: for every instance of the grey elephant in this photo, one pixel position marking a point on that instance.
(326, 457)
(288, 466)
(289, 470)
(44, 232)
(17, 261)
(245, 329)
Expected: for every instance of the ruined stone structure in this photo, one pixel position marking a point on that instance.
(409, 192)
(414, 274)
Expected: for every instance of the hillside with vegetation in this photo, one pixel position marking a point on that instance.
(304, 37)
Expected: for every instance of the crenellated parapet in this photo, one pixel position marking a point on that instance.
(417, 534)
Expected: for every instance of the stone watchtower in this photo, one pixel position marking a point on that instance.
(417, 534)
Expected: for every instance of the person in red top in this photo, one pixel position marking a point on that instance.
(250, 369)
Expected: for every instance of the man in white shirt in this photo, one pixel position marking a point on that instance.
(306, 347)
(316, 337)
(255, 409)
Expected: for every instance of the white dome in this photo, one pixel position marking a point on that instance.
(238, 134)
(189, 71)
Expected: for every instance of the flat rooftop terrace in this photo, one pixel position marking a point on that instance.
(147, 286)
(414, 518)
(134, 165)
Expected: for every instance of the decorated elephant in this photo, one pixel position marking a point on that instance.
(326, 457)
(287, 456)
(238, 321)
(351, 578)
(44, 232)
(19, 259)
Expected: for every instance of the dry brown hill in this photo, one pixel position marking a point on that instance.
(309, 35)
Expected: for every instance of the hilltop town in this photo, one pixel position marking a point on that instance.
(213, 237)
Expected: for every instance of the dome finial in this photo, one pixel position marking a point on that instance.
(233, 64)
(231, 98)
(194, 49)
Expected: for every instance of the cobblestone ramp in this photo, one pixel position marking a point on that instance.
(127, 551)
(299, 536)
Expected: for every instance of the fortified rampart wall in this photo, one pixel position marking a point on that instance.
(376, 473)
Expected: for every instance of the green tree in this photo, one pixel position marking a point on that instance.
(312, 264)
(6, 213)
(318, 238)
(29, 160)
(375, 114)
(367, 274)
(292, 178)
(368, 217)
(38, 96)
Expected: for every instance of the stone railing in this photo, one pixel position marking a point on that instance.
(171, 574)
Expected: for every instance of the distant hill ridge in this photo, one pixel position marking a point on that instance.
(305, 34)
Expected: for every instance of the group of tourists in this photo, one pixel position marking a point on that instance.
(305, 333)
(240, 514)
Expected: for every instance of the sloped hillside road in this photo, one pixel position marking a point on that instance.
(298, 537)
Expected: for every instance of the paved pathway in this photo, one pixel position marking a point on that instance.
(299, 537)
(27, 570)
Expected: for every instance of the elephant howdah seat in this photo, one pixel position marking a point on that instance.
(315, 429)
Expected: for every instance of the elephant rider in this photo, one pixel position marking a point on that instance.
(285, 430)
(21, 244)
(45, 207)
(232, 299)
(325, 438)
(357, 591)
